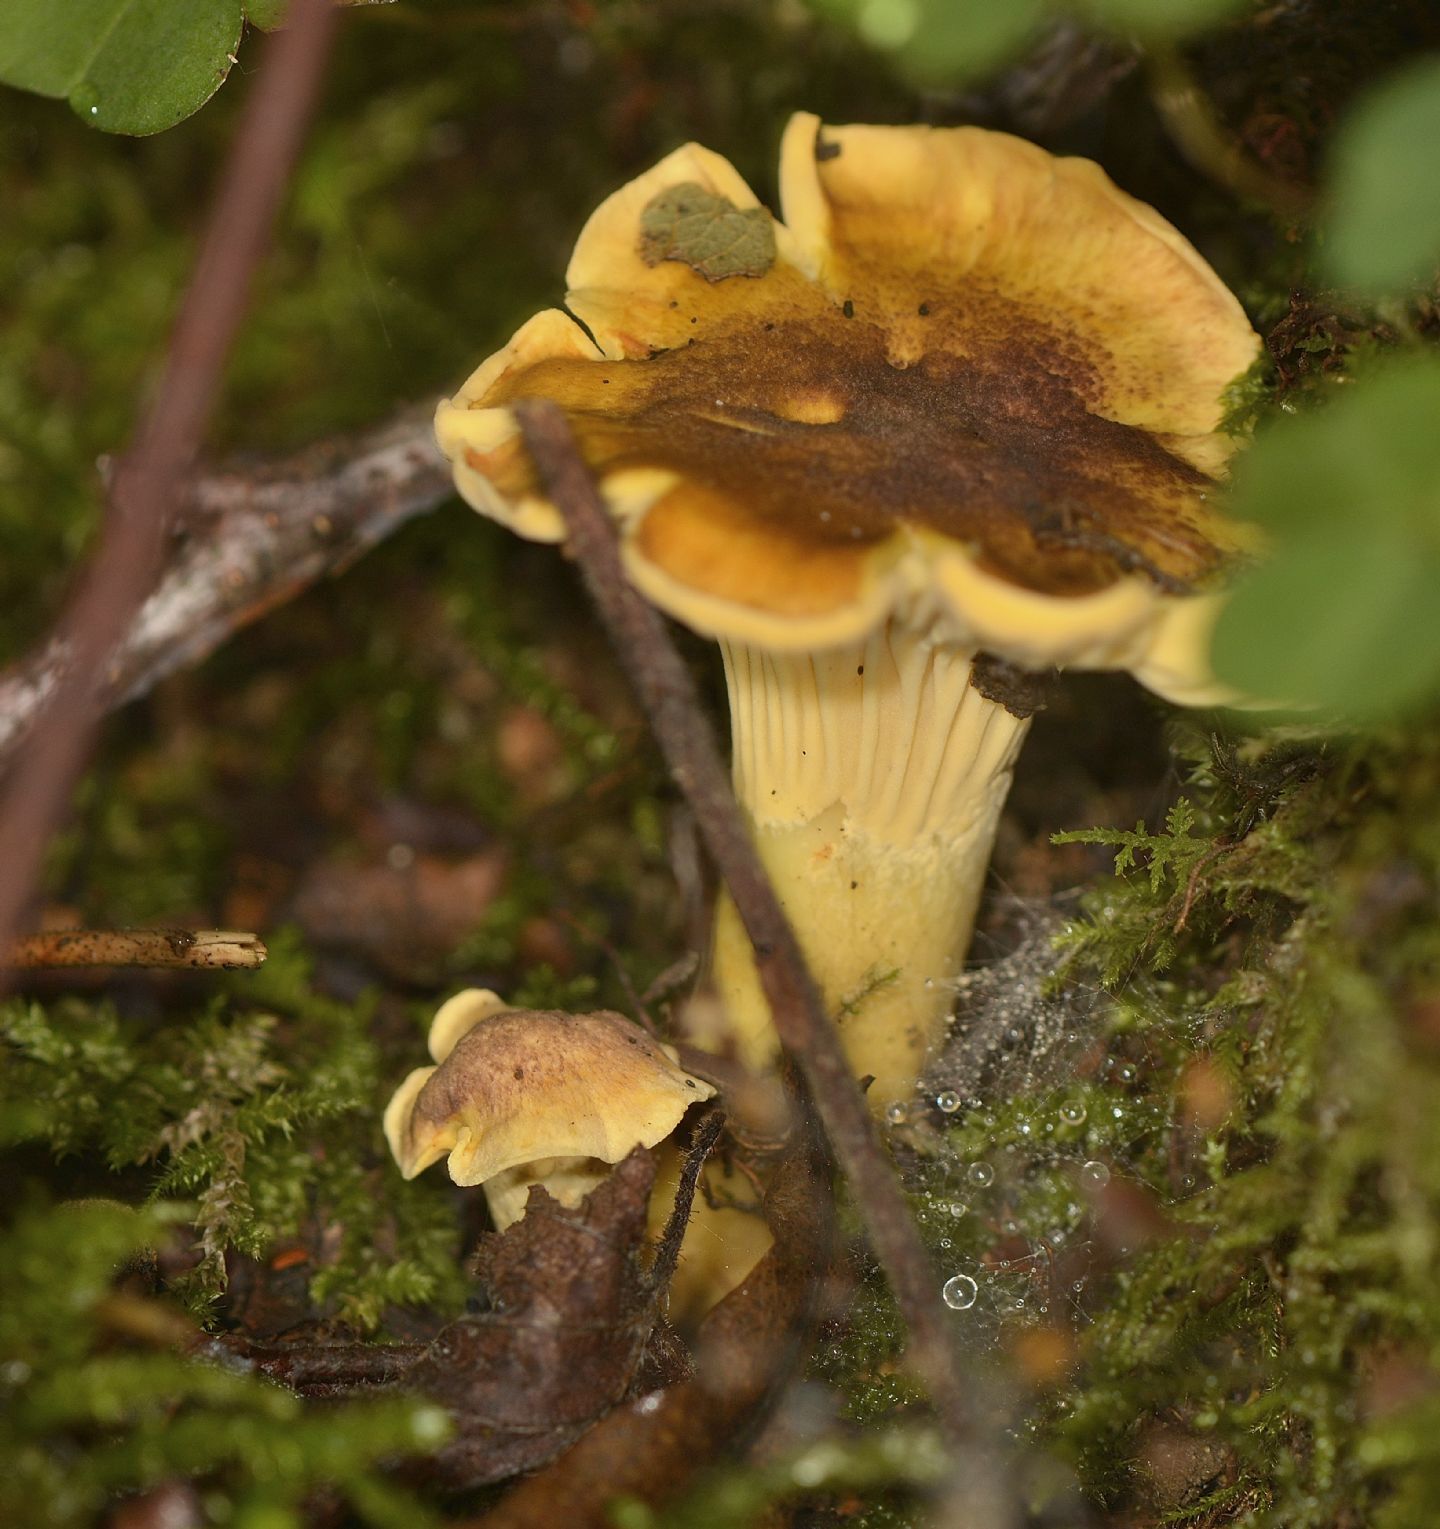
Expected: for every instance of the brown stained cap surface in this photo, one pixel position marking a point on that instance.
(526, 1084)
(956, 335)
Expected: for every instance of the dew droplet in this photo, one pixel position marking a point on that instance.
(982, 1174)
(1094, 1174)
(948, 1102)
(959, 1292)
(1072, 1112)
(958, 1208)
(896, 1113)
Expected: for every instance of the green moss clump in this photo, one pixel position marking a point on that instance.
(263, 1116)
(99, 1403)
(1201, 1234)
(1298, 951)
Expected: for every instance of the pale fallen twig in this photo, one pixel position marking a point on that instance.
(195, 949)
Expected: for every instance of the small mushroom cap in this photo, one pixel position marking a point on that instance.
(964, 379)
(516, 1085)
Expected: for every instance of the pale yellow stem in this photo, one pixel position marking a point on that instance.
(873, 776)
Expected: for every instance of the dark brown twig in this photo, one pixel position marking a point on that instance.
(254, 536)
(147, 481)
(688, 743)
(192, 949)
(697, 1150)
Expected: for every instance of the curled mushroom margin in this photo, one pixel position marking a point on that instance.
(519, 1097)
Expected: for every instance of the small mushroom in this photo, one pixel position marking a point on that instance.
(957, 416)
(525, 1096)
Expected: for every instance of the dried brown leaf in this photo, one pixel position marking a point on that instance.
(571, 1313)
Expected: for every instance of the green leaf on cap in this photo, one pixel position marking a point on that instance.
(707, 232)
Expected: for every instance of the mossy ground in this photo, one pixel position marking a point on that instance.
(1236, 1321)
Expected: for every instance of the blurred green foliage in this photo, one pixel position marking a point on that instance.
(946, 41)
(1342, 612)
(733, 1498)
(98, 1402)
(1383, 228)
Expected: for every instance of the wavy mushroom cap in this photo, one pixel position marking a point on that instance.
(964, 380)
(515, 1086)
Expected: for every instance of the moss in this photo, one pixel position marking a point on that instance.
(1251, 1329)
(99, 1403)
(261, 1114)
(1239, 1190)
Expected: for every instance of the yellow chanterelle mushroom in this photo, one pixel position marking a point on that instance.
(530, 1096)
(962, 405)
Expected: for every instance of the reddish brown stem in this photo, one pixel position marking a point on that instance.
(147, 481)
(688, 743)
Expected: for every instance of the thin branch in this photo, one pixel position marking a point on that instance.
(193, 949)
(688, 743)
(1193, 124)
(147, 481)
(253, 537)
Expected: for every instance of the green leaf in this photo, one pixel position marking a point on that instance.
(1344, 614)
(706, 232)
(1372, 454)
(1384, 186)
(953, 40)
(126, 66)
(266, 14)
(1346, 619)
(941, 40)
